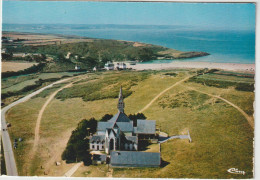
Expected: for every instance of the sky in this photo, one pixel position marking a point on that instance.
(206, 15)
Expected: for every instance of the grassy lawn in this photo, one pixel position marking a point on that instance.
(221, 136)
(153, 148)
(92, 171)
(222, 139)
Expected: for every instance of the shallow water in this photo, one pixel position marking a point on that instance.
(223, 46)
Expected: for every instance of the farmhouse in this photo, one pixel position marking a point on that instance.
(119, 138)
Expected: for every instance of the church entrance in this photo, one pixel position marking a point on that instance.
(111, 144)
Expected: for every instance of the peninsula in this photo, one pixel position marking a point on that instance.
(66, 51)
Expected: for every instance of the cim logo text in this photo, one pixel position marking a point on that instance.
(235, 171)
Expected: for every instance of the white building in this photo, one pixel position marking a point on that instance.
(77, 67)
(68, 55)
(109, 66)
(121, 66)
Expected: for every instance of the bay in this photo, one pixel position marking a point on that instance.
(223, 46)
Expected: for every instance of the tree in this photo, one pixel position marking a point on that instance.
(69, 154)
(60, 58)
(134, 117)
(106, 117)
(28, 58)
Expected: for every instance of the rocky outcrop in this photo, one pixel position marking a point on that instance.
(191, 54)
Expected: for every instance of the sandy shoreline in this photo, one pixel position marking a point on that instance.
(250, 68)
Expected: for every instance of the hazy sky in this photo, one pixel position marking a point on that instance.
(205, 15)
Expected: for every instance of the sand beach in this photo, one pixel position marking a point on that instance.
(250, 68)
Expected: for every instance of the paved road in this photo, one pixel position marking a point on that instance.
(7, 145)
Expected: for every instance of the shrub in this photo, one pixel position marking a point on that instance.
(223, 84)
(78, 146)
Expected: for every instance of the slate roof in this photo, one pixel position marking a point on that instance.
(122, 121)
(135, 159)
(133, 139)
(97, 138)
(125, 127)
(145, 127)
(102, 126)
(119, 117)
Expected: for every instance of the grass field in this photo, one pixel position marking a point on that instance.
(16, 66)
(15, 87)
(221, 136)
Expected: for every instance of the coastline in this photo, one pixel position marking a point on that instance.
(249, 68)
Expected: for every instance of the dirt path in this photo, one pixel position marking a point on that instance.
(39, 118)
(248, 118)
(38, 122)
(161, 93)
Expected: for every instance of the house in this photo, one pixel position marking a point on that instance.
(119, 133)
(20, 55)
(121, 66)
(77, 67)
(68, 55)
(109, 66)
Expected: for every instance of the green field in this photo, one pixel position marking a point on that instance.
(15, 87)
(221, 136)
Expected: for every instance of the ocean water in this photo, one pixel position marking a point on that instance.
(223, 46)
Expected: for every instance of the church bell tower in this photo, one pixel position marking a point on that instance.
(121, 104)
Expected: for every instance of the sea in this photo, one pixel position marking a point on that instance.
(232, 46)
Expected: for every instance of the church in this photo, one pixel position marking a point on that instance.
(120, 134)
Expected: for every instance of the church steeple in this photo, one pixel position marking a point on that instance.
(120, 104)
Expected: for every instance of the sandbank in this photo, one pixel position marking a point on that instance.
(250, 68)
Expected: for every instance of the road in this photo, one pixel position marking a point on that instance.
(7, 145)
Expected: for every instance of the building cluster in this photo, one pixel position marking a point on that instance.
(119, 139)
(115, 66)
